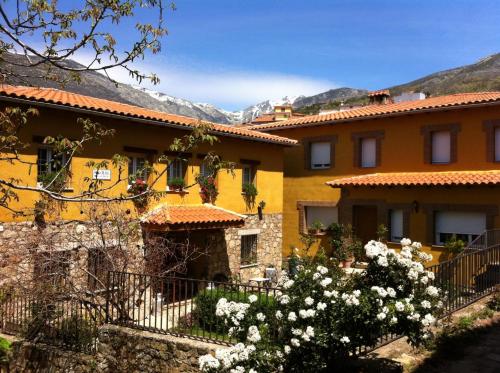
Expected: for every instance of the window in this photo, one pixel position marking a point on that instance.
(248, 249)
(176, 170)
(204, 170)
(497, 144)
(441, 147)
(324, 214)
(465, 226)
(320, 155)
(49, 162)
(136, 168)
(52, 268)
(98, 265)
(396, 225)
(248, 175)
(368, 152)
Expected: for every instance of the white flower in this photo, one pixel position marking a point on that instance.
(430, 275)
(316, 276)
(432, 291)
(285, 299)
(288, 284)
(399, 306)
(292, 316)
(260, 316)
(238, 369)
(295, 342)
(326, 281)
(345, 340)
(208, 362)
(381, 316)
(321, 269)
(287, 349)
(252, 298)
(405, 242)
(393, 320)
(320, 306)
(416, 245)
(426, 304)
(412, 274)
(428, 320)
(375, 248)
(296, 331)
(391, 292)
(309, 301)
(279, 315)
(424, 280)
(304, 314)
(253, 334)
(382, 261)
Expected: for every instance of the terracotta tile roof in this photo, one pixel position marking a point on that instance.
(203, 216)
(64, 98)
(379, 92)
(401, 108)
(449, 178)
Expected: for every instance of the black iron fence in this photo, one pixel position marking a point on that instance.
(62, 321)
(187, 307)
(179, 306)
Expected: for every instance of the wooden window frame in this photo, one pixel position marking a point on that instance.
(427, 131)
(307, 142)
(357, 137)
(489, 127)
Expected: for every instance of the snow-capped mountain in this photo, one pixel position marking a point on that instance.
(212, 113)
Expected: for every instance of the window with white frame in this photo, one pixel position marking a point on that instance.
(441, 147)
(205, 170)
(325, 215)
(248, 249)
(320, 155)
(396, 225)
(136, 169)
(49, 162)
(497, 144)
(465, 226)
(368, 150)
(176, 169)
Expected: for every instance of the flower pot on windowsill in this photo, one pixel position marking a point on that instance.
(347, 263)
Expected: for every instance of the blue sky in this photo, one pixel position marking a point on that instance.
(235, 53)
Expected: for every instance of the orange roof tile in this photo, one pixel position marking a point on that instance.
(393, 109)
(64, 98)
(203, 216)
(449, 178)
(379, 93)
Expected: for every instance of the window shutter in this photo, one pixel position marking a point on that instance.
(441, 147)
(396, 224)
(497, 144)
(326, 215)
(320, 155)
(458, 222)
(368, 152)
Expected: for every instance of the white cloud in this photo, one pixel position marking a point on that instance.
(229, 89)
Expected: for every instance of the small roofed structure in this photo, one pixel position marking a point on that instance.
(380, 97)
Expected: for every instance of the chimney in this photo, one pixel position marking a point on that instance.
(380, 97)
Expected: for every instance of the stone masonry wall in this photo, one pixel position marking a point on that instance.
(121, 350)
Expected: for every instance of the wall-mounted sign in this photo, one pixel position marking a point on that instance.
(101, 174)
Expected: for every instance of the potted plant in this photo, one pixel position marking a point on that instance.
(138, 186)
(250, 192)
(454, 245)
(317, 227)
(208, 189)
(177, 184)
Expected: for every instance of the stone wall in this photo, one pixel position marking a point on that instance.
(120, 350)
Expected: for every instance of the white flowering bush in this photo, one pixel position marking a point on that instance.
(322, 317)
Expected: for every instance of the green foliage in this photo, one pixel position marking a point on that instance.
(317, 226)
(250, 190)
(204, 314)
(177, 183)
(382, 233)
(454, 245)
(344, 243)
(4, 349)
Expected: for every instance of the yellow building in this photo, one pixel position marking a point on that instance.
(427, 169)
(245, 237)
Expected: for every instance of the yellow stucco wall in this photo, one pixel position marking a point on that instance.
(402, 149)
(269, 178)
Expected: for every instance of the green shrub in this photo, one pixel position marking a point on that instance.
(4, 349)
(206, 304)
(494, 303)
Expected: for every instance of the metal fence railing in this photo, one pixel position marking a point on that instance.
(61, 321)
(178, 306)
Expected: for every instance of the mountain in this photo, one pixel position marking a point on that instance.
(483, 75)
(97, 85)
(337, 94)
